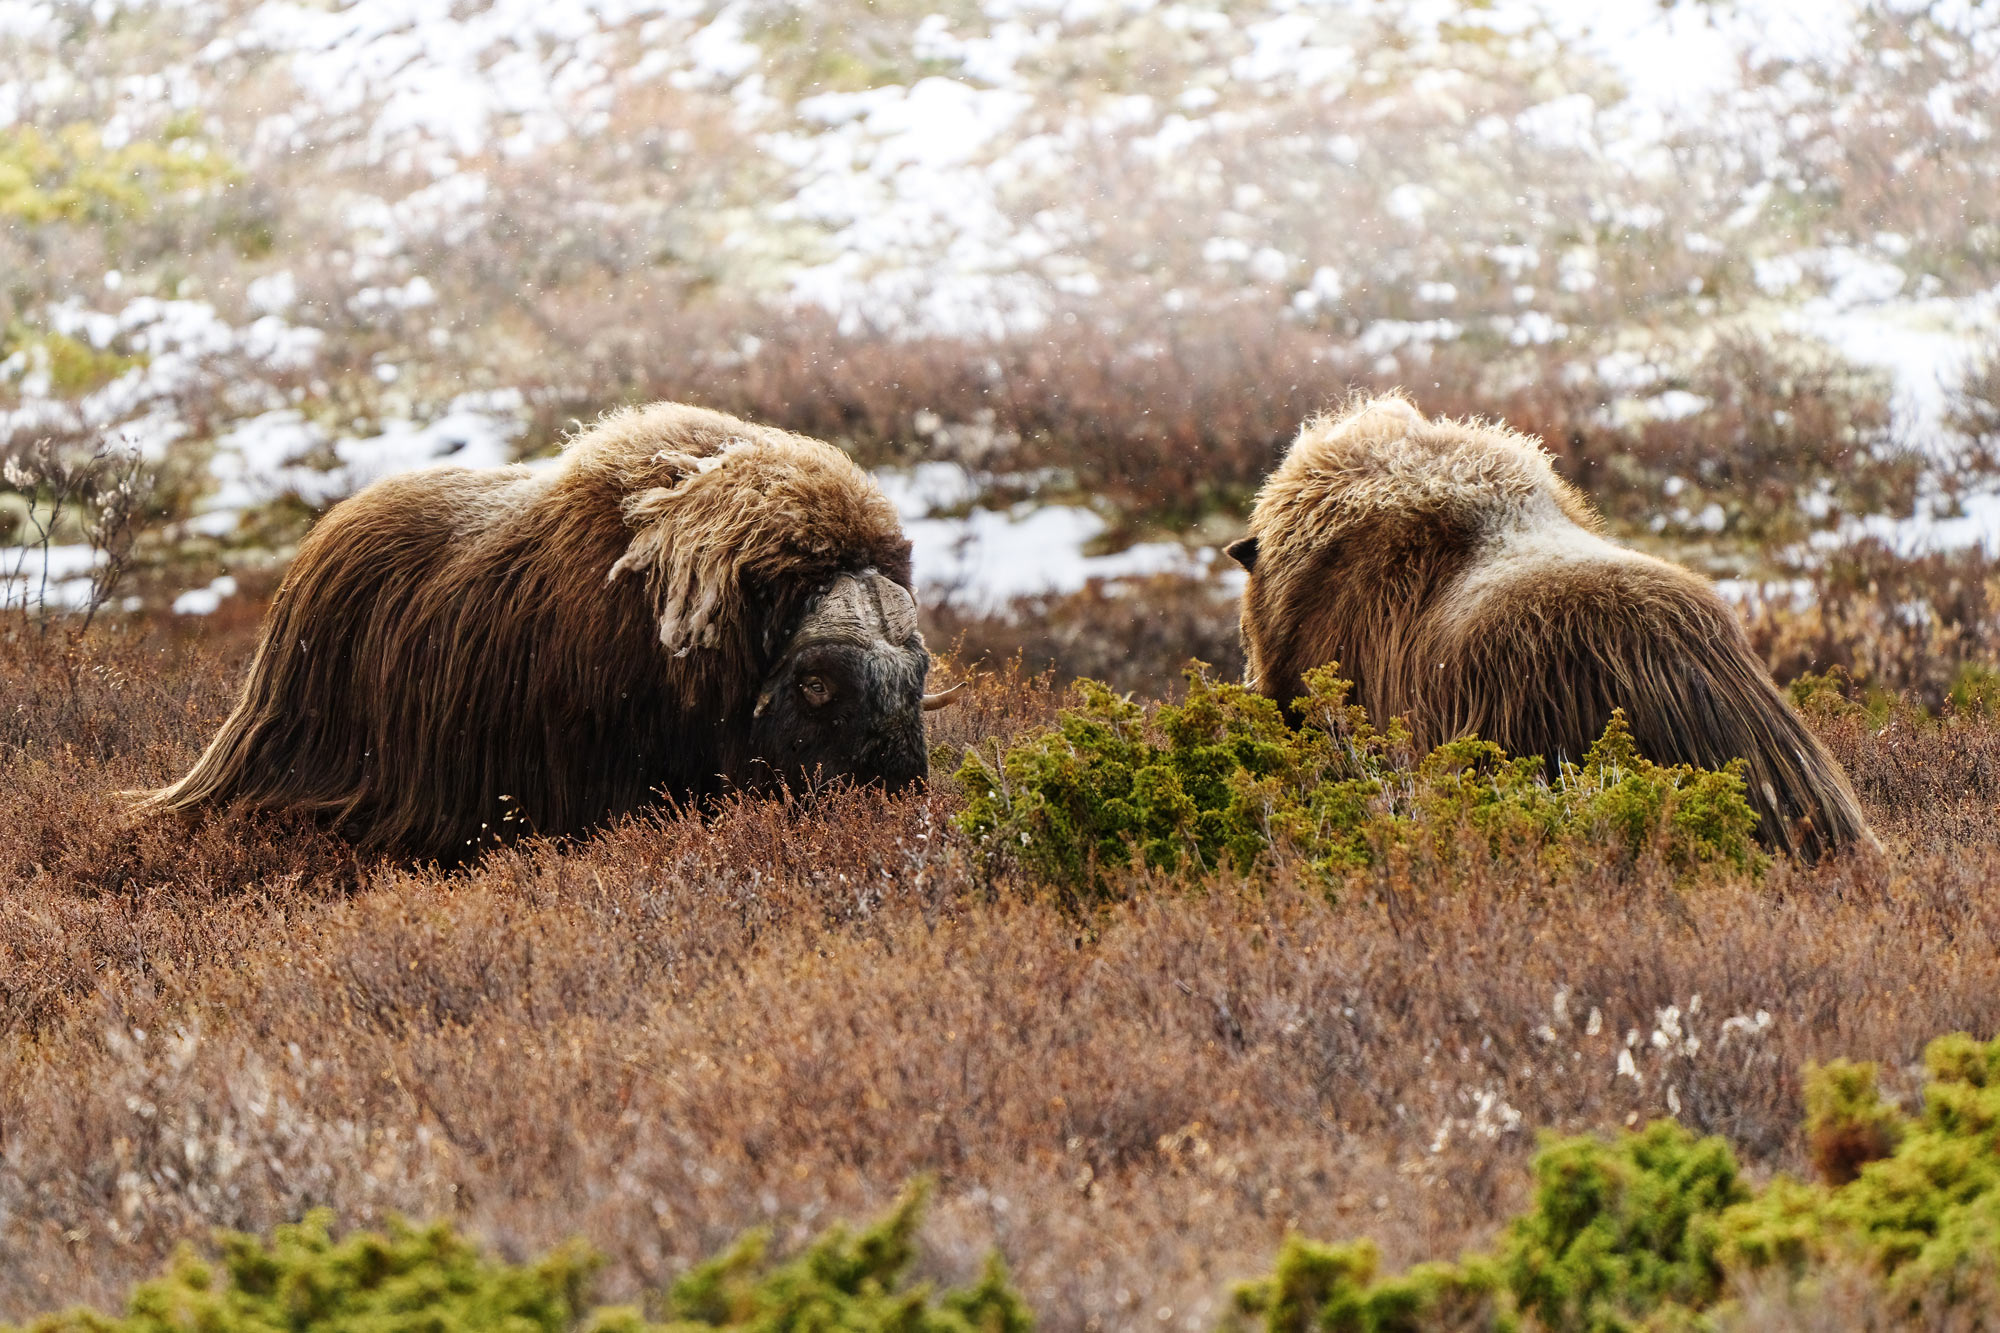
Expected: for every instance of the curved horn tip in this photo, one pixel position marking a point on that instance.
(942, 699)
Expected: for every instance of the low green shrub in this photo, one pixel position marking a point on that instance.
(1925, 1214)
(429, 1280)
(71, 175)
(1220, 778)
(1647, 1232)
(842, 1282)
(73, 367)
(406, 1278)
(1847, 1126)
(1334, 1287)
(1617, 1232)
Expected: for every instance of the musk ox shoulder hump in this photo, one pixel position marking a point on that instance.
(1381, 455)
(712, 501)
(1535, 552)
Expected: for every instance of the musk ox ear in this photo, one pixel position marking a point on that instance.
(1243, 551)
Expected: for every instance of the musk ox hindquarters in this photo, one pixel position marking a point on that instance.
(683, 602)
(1464, 587)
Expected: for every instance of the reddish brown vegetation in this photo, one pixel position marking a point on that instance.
(1908, 625)
(683, 1027)
(1158, 417)
(1134, 635)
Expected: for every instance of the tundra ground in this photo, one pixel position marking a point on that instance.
(778, 1015)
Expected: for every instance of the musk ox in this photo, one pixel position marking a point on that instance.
(684, 602)
(1463, 586)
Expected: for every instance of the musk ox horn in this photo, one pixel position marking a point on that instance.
(861, 607)
(943, 698)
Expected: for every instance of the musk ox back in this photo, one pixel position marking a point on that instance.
(683, 602)
(1463, 586)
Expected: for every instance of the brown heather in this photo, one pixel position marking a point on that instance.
(1163, 420)
(1134, 635)
(778, 1015)
(773, 1016)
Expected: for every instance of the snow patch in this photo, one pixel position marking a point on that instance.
(204, 601)
(988, 557)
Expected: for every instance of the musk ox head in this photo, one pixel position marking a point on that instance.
(846, 699)
(777, 550)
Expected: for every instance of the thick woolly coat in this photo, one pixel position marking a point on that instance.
(460, 654)
(1465, 587)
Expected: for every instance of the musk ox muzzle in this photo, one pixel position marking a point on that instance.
(846, 700)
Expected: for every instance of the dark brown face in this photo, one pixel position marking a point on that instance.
(846, 700)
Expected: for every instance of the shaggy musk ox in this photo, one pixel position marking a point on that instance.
(1463, 586)
(684, 602)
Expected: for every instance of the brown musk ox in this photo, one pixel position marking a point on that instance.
(682, 603)
(1463, 586)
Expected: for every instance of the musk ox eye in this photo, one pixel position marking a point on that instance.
(815, 690)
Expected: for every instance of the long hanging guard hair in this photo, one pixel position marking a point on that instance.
(460, 653)
(1465, 587)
